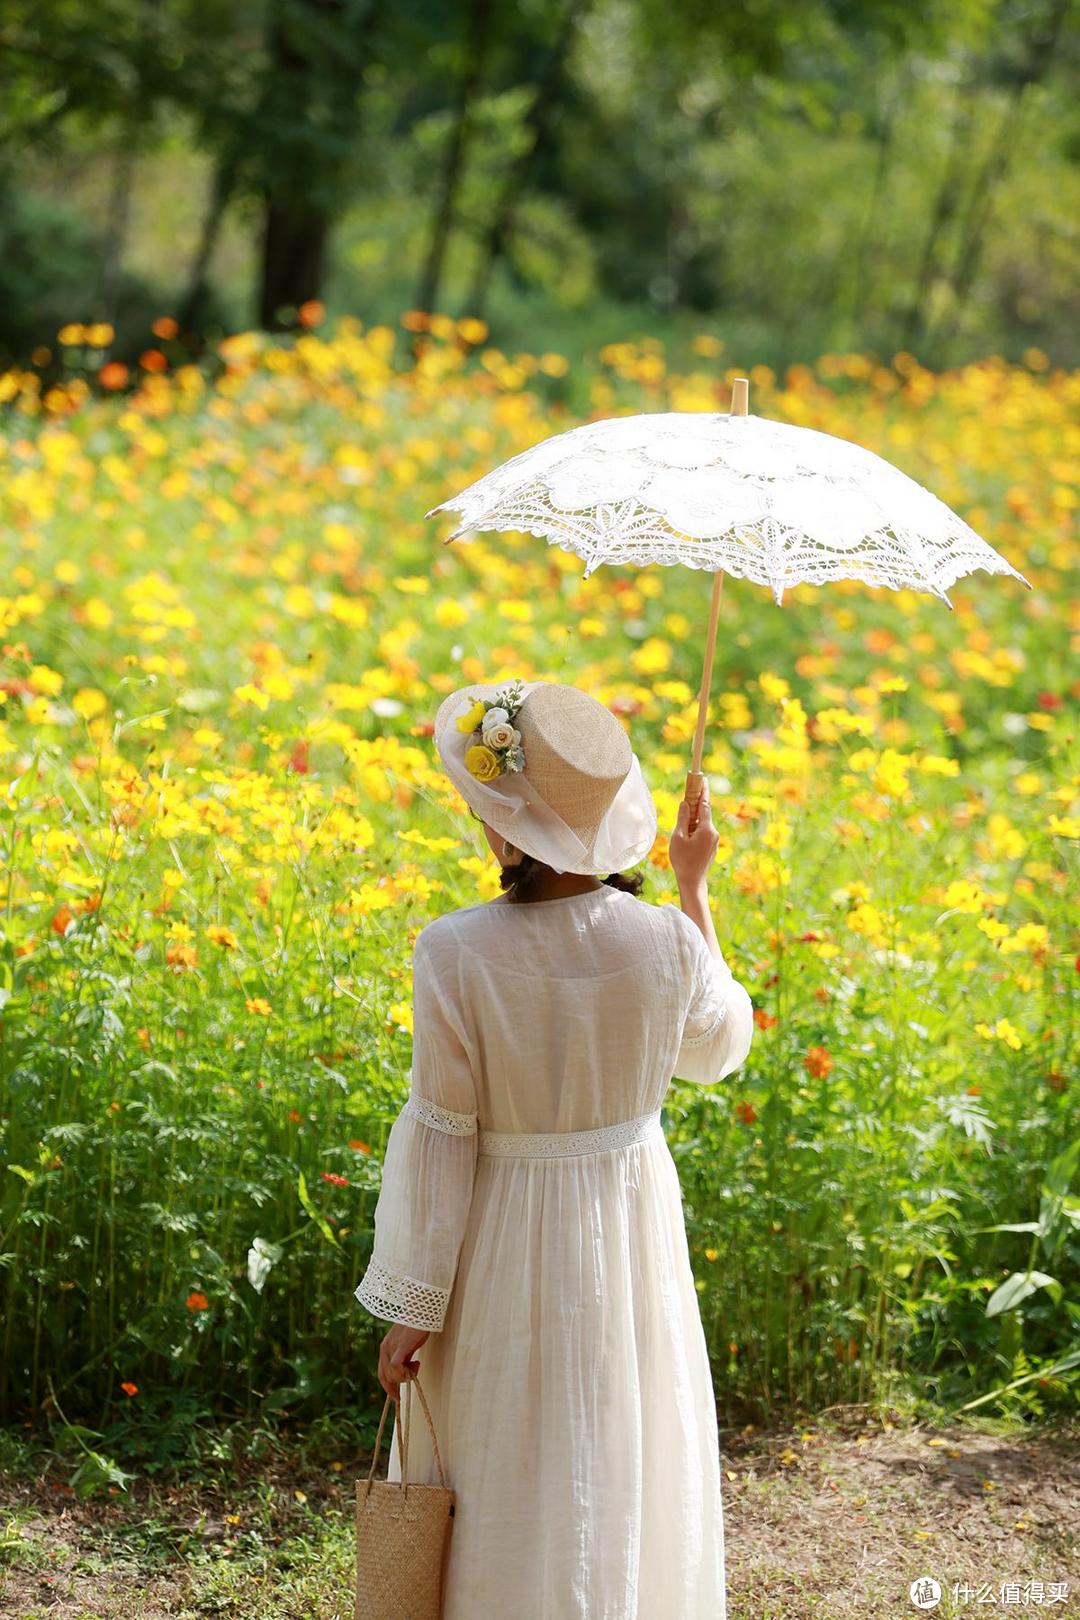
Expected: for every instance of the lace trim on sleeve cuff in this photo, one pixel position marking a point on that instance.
(441, 1119)
(707, 1034)
(397, 1298)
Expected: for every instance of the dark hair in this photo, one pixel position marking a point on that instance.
(523, 880)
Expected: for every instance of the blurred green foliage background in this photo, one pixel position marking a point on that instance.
(797, 178)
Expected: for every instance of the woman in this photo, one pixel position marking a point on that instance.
(529, 1231)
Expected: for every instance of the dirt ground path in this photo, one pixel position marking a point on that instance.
(828, 1522)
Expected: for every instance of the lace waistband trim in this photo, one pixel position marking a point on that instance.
(564, 1144)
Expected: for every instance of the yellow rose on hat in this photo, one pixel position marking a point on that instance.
(481, 763)
(471, 720)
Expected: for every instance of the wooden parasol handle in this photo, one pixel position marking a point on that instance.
(695, 779)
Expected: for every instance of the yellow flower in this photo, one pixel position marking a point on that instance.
(1003, 1030)
(401, 1014)
(481, 763)
(470, 721)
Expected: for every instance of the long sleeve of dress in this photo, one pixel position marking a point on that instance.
(719, 1023)
(428, 1166)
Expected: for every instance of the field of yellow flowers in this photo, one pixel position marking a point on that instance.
(226, 628)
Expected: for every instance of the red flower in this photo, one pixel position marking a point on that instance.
(197, 1302)
(130, 1389)
(334, 1180)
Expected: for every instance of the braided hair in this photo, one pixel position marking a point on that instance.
(525, 879)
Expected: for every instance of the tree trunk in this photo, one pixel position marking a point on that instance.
(477, 37)
(499, 230)
(295, 234)
(862, 281)
(945, 207)
(192, 305)
(117, 219)
(1040, 56)
(311, 91)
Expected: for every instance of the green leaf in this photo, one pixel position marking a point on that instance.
(1060, 1171)
(19, 1170)
(1017, 1288)
(97, 1473)
(320, 1220)
(20, 786)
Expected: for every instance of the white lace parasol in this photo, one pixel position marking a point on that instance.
(762, 500)
(735, 494)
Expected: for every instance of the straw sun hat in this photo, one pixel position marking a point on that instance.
(552, 770)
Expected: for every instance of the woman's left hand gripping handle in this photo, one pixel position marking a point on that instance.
(396, 1357)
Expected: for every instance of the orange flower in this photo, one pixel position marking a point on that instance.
(197, 1302)
(414, 320)
(360, 1147)
(746, 1113)
(114, 374)
(130, 1389)
(311, 312)
(61, 918)
(817, 1062)
(153, 360)
(764, 1020)
(164, 327)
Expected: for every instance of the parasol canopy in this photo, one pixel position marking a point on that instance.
(732, 493)
(762, 500)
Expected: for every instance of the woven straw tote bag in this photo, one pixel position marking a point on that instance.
(402, 1534)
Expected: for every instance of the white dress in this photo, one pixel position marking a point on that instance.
(530, 1215)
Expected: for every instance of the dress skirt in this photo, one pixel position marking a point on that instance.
(571, 1390)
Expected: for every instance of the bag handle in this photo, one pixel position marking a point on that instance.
(404, 1453)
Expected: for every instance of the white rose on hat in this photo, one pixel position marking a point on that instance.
(501, 735)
